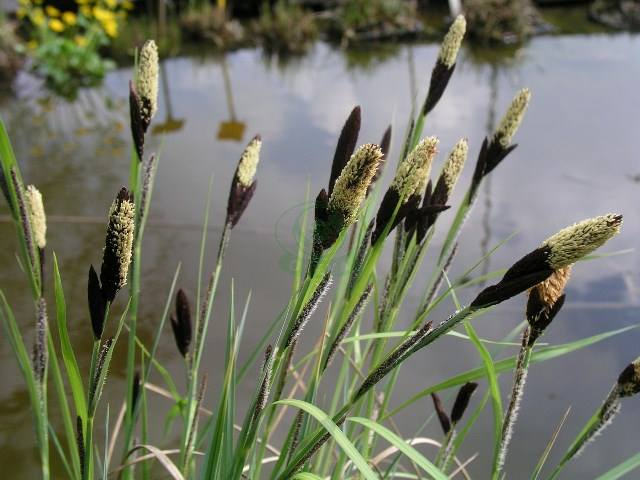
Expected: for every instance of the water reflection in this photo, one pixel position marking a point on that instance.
(576, 156)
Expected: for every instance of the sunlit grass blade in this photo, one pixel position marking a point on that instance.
(68, 355)
(338, 435)
(402, 446)
(621, 470)
(492, 379)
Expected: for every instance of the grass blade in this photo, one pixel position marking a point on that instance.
(625, 467)
(402, 446)
(337, 434)
(68, 355)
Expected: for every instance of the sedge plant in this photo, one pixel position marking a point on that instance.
(339, 392)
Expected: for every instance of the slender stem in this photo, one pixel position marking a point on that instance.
(87, 470)
(444, 453)
(202, 325)
(511, 415)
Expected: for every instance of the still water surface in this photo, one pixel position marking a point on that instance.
(577, 158)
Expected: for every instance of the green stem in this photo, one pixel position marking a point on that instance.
(511, 415)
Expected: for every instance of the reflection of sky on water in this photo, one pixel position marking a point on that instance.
(575, 160)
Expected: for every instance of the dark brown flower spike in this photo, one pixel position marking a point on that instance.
(407, 188)
(244, 183)
(445, 64)
(445, 423)
(135, 392)
(346, 145)
(498, 146)
(96, 304)
(181, 323)
(629, 379)
(118, 245)
(385, 145)
(539, 315)
(138, 124)
(557, 252)
(524, 274)
(462, 401)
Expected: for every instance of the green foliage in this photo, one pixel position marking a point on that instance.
(285, 28)
(67, 66)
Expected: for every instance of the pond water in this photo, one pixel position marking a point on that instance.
(577, 158)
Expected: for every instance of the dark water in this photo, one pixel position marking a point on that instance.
(577, 158)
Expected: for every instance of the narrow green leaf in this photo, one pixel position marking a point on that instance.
(306, 476)
(401, 445)
(68, 355)
(625, 467)
(494, 387)
(337, 434)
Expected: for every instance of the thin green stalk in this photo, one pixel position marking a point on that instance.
(202, 325)
(511, 415)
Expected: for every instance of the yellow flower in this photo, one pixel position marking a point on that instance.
(24, 3)
(38, 17)
(69, 18)
(127, 5)
(111, 28)
(102, 14)
(80, 40)
(112, 4)
(85, 10)
(56, 25)
(52, 11)
(32, 44)
(21, 13)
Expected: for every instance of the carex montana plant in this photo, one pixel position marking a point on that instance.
(324, 412)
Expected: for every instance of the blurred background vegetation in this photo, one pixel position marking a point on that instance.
(73, 43)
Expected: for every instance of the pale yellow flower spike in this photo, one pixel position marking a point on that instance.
(37, 218)
(351, 186)
(147, 82)
(413, 173)
(454, 164)
(452, 41)
(511, 121)
(572, 243)
(249, 163)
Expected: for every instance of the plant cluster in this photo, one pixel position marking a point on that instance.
(65, 45)
(334, 438)
(285, 27)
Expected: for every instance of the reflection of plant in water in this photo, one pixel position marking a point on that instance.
(65, 44)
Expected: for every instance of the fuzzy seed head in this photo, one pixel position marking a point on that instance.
(454, 164)
(511, 121)
(572, 243)
(37, 218)
(248, 164)
(147, 81)
(452, 41)
(351, 186)
(552, 288)
(118, 245)
(413, 173)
